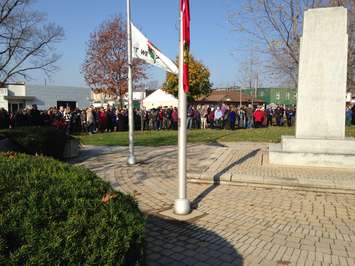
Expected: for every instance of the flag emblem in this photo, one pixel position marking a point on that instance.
(144, 49)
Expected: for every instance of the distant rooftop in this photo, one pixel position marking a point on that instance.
(229, 95)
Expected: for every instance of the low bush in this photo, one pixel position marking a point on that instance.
(53, 213)
(48, 141)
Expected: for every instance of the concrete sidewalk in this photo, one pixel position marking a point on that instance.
(240, 164)
(241, 225)
(248, 164)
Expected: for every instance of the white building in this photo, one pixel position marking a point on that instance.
(13, 97)
(103, 99)
(160, 98)
(18, 96)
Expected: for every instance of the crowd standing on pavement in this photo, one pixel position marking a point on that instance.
(199, 116)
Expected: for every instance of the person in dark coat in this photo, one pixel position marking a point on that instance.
(110, 121)
(232, 118)
(35, 116)
(120, 121)
(4, 119)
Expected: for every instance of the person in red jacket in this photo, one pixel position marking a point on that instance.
(259, 116)
(102, 120)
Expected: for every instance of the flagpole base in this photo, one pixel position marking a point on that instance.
(131, 160)
(182, 206)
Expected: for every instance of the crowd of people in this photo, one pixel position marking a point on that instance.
(220, 117)
(73, 120)
(110, 119)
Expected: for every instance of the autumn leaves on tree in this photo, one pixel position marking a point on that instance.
(105, 68)
(199, 79)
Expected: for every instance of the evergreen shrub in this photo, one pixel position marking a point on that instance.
(53, 213)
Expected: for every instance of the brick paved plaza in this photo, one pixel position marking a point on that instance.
(240, 225)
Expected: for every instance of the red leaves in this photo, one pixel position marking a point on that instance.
(9, 154)
(107, 197)
(105, 68)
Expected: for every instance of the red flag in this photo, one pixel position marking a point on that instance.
(185, 17)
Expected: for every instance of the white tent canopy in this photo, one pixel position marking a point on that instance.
(159, 98)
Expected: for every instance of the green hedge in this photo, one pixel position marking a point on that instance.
(52, 213)
(48, 141)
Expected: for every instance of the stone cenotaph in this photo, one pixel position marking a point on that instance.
(320, 120)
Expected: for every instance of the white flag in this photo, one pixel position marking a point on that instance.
(142, 48)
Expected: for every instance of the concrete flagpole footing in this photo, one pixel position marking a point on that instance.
(131, 159)
(182, 206)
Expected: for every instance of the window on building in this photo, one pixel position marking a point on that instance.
(277, 96)
(288, 96)
(14, 107)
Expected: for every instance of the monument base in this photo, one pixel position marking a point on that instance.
(313, 152)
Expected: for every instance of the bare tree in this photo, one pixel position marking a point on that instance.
(26, 41)
(249, 71)
(276, 27)
(350, 5)
(105, 68)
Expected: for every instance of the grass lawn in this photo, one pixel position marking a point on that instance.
(162, 138)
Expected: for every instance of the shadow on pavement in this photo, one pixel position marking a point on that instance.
(217, 178)
(171, 153)
(93, 152)
(156, 156)
(184, 243)
(215, 143)
(202, 195)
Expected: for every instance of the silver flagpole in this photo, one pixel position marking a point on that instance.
(182, 204)
(131, 158)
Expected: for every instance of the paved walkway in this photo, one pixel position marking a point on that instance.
(241, 225)
(249, 163)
